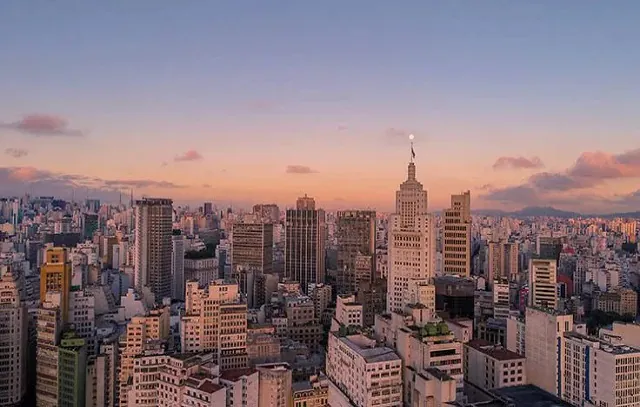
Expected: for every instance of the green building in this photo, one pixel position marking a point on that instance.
(72, 370)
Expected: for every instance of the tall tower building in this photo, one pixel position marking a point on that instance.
(13, 339)
(152, 267)
(411, 241)
(356, 235)
(503, 261)
(543, 292)
(456, 248)
(305, 235)
(177, 265)
(55, 277)
(252, 257)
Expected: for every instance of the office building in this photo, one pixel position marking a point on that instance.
(48, 330)
(491, 366)
(252, 245)
(456, 236)
(543, 331)
(305, 235)
(13, 339)
(208, 208)
(153, 248)
(55, 277)
(72, 370)
(373, 297)
(411, 240)
(502, 261)
(215, 321)
(597, 373)
(356, 245)
(177, 265)
(543, 292)
(311, 393)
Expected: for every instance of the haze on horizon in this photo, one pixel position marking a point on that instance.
(523, 103)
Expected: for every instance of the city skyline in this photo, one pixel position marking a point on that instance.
(523, 104)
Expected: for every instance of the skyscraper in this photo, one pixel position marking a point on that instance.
(252, 258)
(356, 236)
(153, 246)
(13, 339)
(542, 283)
(177, 265)
(411, 240)
(456, 249)
(55, 277)
(305, 234)
(503, 261)
(208, 208)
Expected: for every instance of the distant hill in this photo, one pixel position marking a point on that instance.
(539, 211)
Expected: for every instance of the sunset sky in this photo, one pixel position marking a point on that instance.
(522, 102)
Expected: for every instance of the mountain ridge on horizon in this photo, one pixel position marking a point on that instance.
(549, 211)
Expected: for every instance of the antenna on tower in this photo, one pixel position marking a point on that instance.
(413, 154)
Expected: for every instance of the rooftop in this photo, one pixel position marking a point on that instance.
(369, 354)
(495, 351)
(603, 345)
(529, 396)
(235, 374)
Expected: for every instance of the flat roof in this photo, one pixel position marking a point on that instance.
(530, 396)
(604, 345)
(371, 355)
(495, 351)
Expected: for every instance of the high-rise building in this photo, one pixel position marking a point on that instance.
(177, 265)
(48, 329)
(597, 373)
(356, 257)
(208, 208)
(456, 236)
(13, 339)
(543, 330)
(275, 385)
(252, 257)
(411, 241)
(153, 228)
(215, 321)
(502, 262)
(72, 370)
(55, 277)
(90, 224)
(305, 235)
(543, 292)
(268, 213)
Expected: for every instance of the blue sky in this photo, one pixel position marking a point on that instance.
(254, 86)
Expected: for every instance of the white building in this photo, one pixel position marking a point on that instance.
(362, 373)
(516, 334)
(542, 336)
(13, 339)
(411, 248)
(348, 312)
(597, 372)
(490, 366)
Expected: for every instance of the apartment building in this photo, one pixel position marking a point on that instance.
(311, 393)
(13, 339)
(542, 283)
(362, 373)
(275, 387)
(215, 321)
(490, 366)
(242, 387)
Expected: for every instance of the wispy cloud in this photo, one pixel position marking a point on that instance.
(191, 155)
(42, 125)
(16, 152)
(299, 169)
(140, 184)
(206, 186)
(518, 163)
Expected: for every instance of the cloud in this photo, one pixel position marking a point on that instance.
(299, 169)
(42, 125)
(16, 152)
(517, 162)
(520, 194)
(559, 182)
(191, 155)
(601, 166)
(342, 127)
(140, 184)
(206, 186)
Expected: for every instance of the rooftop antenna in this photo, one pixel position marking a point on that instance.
(413, 154)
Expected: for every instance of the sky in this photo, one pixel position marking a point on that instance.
(523, 103)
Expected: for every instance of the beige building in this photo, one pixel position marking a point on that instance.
(215, 321)
(262, 348)
(622, 301)
(204, 270)
(321, 296)
(516, 333)
(242, 387)
(543, 292)
(356, 243)
(275, 385)
(252, 245)
(348, 312)
(622, 333)
(13, 338)
(502, 261)
(311, 393)
(144, 334)
(544, 328)
(304, 250)
(411, 246)
(362, 373)
(456, 236)
(490, 366)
